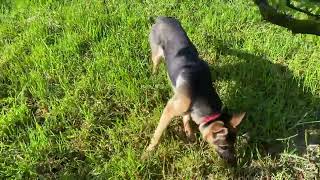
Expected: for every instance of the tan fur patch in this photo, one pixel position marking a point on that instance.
(176, 106)
(156, 55)
(236, 119)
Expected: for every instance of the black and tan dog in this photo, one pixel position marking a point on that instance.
(194, 96)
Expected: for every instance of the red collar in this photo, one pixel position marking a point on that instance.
(211, 118)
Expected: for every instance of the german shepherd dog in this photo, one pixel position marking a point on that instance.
(194, 96)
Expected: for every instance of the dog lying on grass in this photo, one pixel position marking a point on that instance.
(194, 96)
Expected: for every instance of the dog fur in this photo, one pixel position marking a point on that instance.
(194, 96)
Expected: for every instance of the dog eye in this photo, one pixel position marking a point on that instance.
(225, 147)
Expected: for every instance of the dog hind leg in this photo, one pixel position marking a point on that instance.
(156, 55)
(156, 49)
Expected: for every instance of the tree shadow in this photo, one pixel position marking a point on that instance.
(281, 113)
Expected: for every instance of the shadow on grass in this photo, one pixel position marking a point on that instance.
(281, 113)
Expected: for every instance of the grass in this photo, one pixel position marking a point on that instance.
(78, 99)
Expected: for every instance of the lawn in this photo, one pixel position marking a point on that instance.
(78, 99)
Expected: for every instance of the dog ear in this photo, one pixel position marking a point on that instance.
(236, 119)
(219, 129)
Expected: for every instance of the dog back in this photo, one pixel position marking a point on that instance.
(179, 52)
(183, 63)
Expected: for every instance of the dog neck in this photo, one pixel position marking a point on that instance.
(207, 123)
(209, 119)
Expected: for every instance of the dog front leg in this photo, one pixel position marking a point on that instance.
(176, 106)
(187, 128)
(166, 117)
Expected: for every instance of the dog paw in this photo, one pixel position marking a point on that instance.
(150, 147)
(148, 151)
(154, 72)
(145, 155)
(190, 135)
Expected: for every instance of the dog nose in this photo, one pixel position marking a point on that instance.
(229, 157)
(232, 161)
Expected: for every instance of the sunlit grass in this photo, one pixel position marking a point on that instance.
(78, 99)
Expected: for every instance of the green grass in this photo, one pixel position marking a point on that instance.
(78, 99)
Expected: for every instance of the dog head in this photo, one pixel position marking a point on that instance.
(222, 135)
